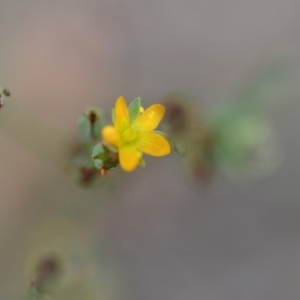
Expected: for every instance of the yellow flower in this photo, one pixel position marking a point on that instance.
(137, 137)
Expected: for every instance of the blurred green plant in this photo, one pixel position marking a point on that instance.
(3, 94)
(66, 260)
(235, 136)
(81, 166)
(54, 278)
(47, 276)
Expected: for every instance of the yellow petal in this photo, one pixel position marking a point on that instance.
(153, 144)
(110, 135)
(150, 118)
(122, 120)
(129, 157)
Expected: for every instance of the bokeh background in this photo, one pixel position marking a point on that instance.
(152, 234)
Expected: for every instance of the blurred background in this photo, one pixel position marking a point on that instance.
(153, 233)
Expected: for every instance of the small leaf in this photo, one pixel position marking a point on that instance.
(142, 163)
(84, 127)
(179, 149)
(98, 150)
(97, 121)
(98, 163)
(98, 125)
(134, 109)
(97, 129)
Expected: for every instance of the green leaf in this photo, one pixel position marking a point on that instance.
(97, 129)
(142, 163)
(134, 109)
(97, 121)
(98, 163)
(103, 158)
(84, 127)
(98, 125)
(179, 149)
(98, 150)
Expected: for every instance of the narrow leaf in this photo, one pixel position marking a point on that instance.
(98, 163)
(142, 163)
(84, 127)
(98, 149)
(134, 109)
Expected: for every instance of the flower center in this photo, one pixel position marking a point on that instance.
(129, 135)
